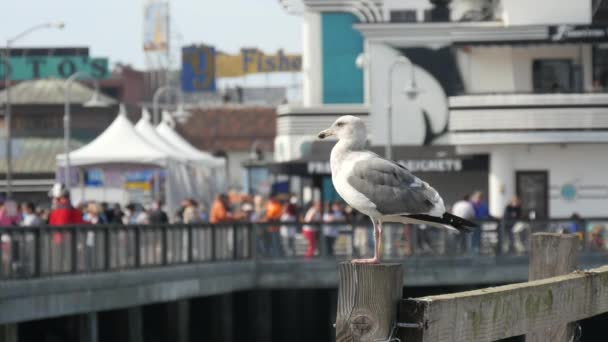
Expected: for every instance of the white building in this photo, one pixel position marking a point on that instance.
(520, 81)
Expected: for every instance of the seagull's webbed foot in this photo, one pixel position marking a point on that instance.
(366, 261)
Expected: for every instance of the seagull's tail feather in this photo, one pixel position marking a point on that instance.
(448, 219)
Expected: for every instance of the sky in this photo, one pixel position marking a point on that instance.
(113, 28)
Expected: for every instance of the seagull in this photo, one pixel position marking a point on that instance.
(382, 189)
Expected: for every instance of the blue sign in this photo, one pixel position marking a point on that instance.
(93, 178)
(198, 69)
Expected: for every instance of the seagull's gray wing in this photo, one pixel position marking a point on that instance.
(392, 187)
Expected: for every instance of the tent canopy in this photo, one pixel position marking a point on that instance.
(151, 136)
(119, 143)
(189, 151)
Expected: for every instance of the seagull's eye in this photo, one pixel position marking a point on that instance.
(340, 124)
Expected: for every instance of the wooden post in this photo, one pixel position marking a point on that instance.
(367, 301)
(135, 324)
(552, 255)
(9, 332)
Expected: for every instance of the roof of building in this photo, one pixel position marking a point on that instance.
(230, 128)
(50, 91)
(35, 155)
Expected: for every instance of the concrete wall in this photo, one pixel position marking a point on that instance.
(556, 12)
(408, 126)
(486, 69)
(509, 68)
(570, 166)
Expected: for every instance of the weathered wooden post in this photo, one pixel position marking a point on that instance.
(552, 255)
(367, 301)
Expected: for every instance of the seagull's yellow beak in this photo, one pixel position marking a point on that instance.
(325, 133)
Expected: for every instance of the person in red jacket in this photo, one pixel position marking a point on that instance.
(63, 213)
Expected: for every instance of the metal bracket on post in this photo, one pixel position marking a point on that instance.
(390, 336)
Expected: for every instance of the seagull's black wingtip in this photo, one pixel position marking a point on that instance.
(448, 219)
(459, 223)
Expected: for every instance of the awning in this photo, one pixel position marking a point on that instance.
(419, 159)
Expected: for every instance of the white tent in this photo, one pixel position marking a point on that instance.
(145, 129)
(119, 143)
(207, 169)
(165, 130)
(182, 171)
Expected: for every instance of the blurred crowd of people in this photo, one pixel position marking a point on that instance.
(282, 220)
(285, 227)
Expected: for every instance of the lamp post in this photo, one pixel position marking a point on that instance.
(180, 114)
(7, 87)
(411, 90)
(94, 102)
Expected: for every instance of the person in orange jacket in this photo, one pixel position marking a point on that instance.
(220, 210)
(274, 210)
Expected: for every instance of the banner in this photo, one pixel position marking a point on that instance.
(34, 67)
(198, 68)
(156, 26)
(252, 60)
(202, 64)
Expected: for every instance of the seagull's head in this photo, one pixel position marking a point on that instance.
(346, 127)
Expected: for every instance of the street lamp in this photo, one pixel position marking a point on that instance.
(181, 114)
(94, 102)
(7, 87)
(411, 90)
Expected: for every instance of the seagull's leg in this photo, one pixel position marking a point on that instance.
(377, 241)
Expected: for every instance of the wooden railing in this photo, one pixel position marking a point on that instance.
(543, 309)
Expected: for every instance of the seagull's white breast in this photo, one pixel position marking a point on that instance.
(341, 166)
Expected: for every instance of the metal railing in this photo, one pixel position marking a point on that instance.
(44, 251)
(34, 252)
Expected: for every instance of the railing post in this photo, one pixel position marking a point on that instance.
(352, 239)
(164, 244)
(235, 243)
(253, 245)
(585, 238)
(322, 242)
(107, 249)
(552, 255)
(213, 242)
(137, 246)
(190, 243)
(413, 239)
(2, 273)
(74, 248)
(38, 252)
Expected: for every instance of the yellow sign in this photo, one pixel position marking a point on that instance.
(144, 186)
(252, 61)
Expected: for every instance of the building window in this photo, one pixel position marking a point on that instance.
(600, 67)
(555, 76)
(403, 16)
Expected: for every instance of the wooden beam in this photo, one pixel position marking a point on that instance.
(552, 255)
(511, 310)
(367, 301)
